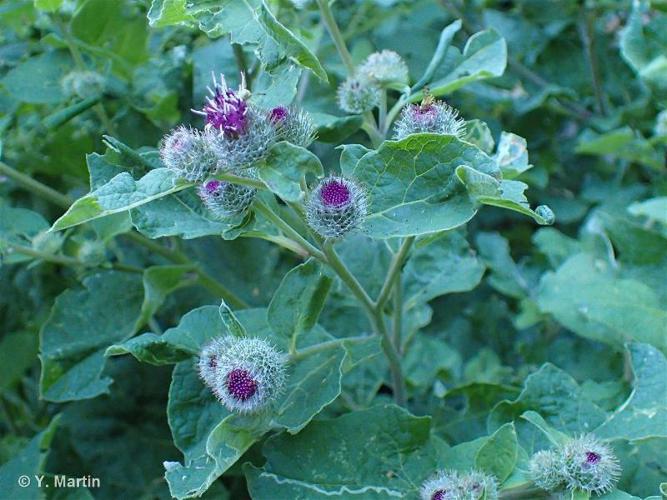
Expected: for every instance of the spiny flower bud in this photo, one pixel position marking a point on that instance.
(430, 116)
(451, 485)
(336, 206)
(225, 199)
(358, 95)
(661, 123)
(385, 68)
(83, 84)
(188, 152)
(293, 125)
(590, 465)
(546, 470)
(242, 151)
(226, 110)
(246, 374)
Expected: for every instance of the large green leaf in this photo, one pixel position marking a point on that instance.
(28, 463)
(644, 414)
(298, 301)
(285, 166)
(120, 194)
(498, 455)
(160, 281)
(605, 308)
(439, 266)
(412, 186)
(37, 80)
(83, 323)
(488, 190)
(382, 452)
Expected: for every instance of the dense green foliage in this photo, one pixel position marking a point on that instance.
(461, 327)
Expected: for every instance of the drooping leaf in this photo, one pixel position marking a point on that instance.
(285, 166)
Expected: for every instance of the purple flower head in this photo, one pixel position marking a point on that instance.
(335, 193)
(226, 110)
(439, 495)
(240, 384)
(278, 114)
(592, 458)
(211, 187)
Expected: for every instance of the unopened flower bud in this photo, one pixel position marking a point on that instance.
(188, 152)
(225, 199)
(444, 485)
(590, 465)
(431, 116)
(478, 485)
(385, 68)
(246, 374)
(546, 470)
(83, 84)
(293, 125)
(336, 206)
(358, 95)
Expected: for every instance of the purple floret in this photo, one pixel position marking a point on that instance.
(335, 194)
(240, 384)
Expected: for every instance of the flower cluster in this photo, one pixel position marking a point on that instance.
(431, 116)
(336, 206)
(452, 485)
(246, 374)
(583, 464)
(236, 135)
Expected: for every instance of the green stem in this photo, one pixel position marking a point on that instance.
(394, 359)
(119, 146)
(219, 289)
(398, 314)
(325, 346)
(332, 28)
(286, 243)
(289, 231)
(394, 271)
(34, 186)
(244, 181)
(58, 118)
(64, 260)
(586, 34)
(382, 115)
(347, 277)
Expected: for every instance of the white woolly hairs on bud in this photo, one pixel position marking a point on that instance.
(224, 199)
(258, 366)
(590, 465)
(431, 116)
(357, 95)
(188, 153)
(453, 485)
(336, 207)
(385, 68)
(582, 464)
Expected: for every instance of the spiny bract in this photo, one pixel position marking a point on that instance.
(188, 153)
(384, 68)
(293, 125)
(336, 206)
(357, 95)
(225, 199)
(452, 485)
(246, 374)
(431, 116)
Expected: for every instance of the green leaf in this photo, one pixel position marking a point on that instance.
(160, 281)
(295, 49)
(557, 397)
(29, 462)
(18, 226)
(82, 324)
(412, 186)
(623, 143)
(37, 80)
(438, 266)
(653, 209)
(427, 359)
(376, 453)
(285, 166)
(644, 414)
(120, 194)
(556, 438)
(230, 321)
(498, 455)
(18, 352)
(479, 134)
(504, 194)
(484, 56)
(169, 12)
(605, 307)
(335, 129)
(48, 5)
(512, 155)
(298, 301)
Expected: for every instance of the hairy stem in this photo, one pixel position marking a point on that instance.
(325, 346)
(334, 31)
(397, 324)
(347, 277)
(394, 271)
(289, 231)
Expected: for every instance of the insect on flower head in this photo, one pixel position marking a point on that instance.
(431, 116)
